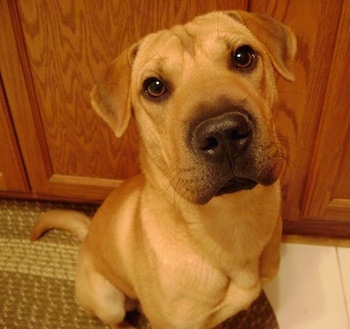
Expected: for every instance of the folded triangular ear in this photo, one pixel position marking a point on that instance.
(278, 40)
(110, 97)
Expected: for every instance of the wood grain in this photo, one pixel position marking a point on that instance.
(18, 94)
(12, 173)
(67, 43)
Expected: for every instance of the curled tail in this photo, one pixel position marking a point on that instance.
(73, 221)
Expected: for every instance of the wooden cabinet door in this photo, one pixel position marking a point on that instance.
(12, 173)
(313, 116)
(62, 48)
(328, 191)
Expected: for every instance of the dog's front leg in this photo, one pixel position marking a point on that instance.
(98, 296)
(270, 257)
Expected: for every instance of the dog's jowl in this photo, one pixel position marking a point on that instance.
(193, 237)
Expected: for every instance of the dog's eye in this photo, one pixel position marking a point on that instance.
(154, 88)
(244, 57)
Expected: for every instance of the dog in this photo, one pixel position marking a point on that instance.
(195, 235)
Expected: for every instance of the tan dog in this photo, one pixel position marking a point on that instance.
(193, 237)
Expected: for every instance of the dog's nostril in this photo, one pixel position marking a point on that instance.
(236, 135)
(209, 143)
(241, 131)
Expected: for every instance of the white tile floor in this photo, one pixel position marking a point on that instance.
(312, 290)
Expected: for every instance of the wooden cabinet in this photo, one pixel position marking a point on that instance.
(329, 185)
(52, 52)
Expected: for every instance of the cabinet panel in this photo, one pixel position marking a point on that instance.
(329, 187)
(14, 73)
(12, 174)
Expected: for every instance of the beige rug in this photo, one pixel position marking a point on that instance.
(37, 279)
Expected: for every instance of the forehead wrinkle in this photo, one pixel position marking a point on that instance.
(220, 28)
(186, 39)
(169, 61)
(173, 52)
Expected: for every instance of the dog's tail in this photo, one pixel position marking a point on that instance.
(73, 221)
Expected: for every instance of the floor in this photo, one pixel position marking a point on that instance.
(312, 290)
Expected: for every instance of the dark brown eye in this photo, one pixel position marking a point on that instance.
(244, 57)
(154, 88)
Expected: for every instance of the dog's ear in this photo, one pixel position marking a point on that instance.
(278, 40)
(110, 97)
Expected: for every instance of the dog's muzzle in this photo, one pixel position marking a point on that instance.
(221, 140)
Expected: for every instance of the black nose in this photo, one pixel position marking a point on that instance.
(227, 134)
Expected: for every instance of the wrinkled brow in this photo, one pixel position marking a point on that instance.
(187, 40)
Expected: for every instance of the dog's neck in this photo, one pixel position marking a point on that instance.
(244, 228)
(226, 241)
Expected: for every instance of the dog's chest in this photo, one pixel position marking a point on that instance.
(184, 273)
(191, 285)
(196, 269)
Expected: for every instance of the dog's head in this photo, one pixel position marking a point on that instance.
(202, 95)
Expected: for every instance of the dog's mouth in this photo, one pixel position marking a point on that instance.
(236, 184)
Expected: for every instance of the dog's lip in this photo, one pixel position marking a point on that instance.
(236, 184)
